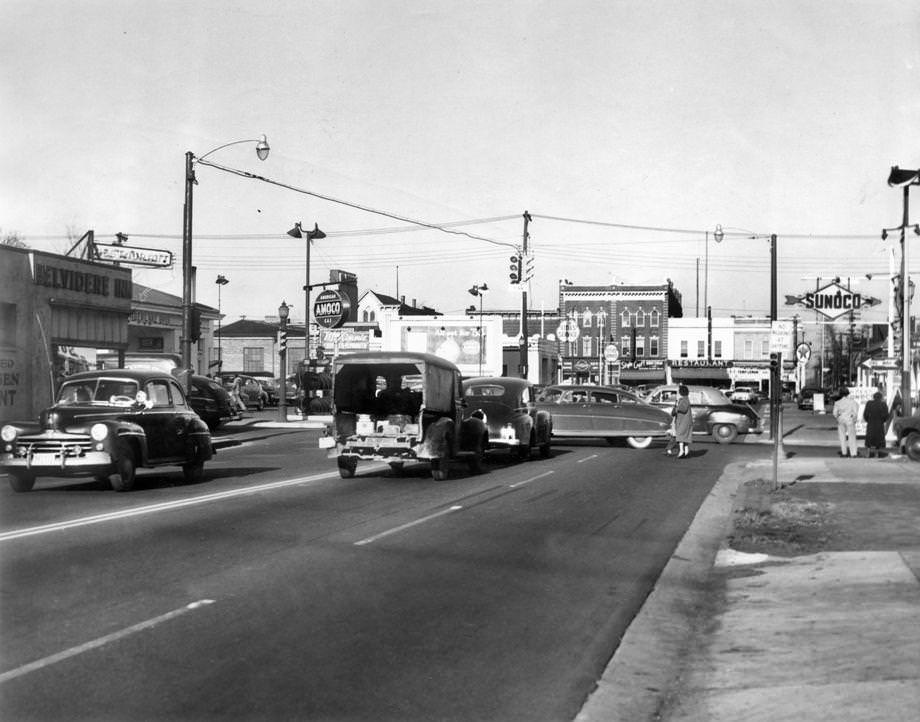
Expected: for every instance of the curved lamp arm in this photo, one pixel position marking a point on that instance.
(262, 147)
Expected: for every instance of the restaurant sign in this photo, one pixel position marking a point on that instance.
(832, 301)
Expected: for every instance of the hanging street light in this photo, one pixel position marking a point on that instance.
(262, 150)
(221, 281)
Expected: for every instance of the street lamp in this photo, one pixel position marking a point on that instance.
(717, 235)
(283, 311)
(298, 232)
(905, 179)
(479, 290)
(221, 281)
(262, 150)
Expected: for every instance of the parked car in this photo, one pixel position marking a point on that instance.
(106, 424)
(506, 406)
(211, 402)
(251, 391)
(604, 411)
(907, 434)
(398, 407)
(269, 386)
(713, 413)
(744, 395)
(806, 398)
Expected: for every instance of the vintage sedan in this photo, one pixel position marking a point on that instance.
(211, 402)
(106, 424)
(604, 411)
(713, 413)
(506, 406)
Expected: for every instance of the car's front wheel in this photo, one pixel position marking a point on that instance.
(21, 481)
(724, 433)
(125, 470)
(439, 469)
(639, 442)
(912, 446)
(347, 466)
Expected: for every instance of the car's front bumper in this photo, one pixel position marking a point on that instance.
(57, 463)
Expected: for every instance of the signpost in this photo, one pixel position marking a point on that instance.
(133, 256)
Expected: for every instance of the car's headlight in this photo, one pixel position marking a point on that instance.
(8, 433)
(99, 432)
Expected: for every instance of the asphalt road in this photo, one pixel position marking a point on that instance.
(275, 590)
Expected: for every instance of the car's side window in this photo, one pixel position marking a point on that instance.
(178, 394)
(696, 398)
(551, 396)
(158, 394)
(666, 396)
(604, 397)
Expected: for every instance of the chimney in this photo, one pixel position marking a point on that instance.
(414, 304)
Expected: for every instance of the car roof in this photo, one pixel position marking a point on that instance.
(139, 375)
(393, 357)
(506, 381)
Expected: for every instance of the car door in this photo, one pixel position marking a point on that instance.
(165, 424)
(604, 408)
(701, 409)
(572, 414)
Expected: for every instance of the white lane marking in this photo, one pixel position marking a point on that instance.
(164, 506)
(94, 644)
(527, 481)
(409, 525)
(587, 458)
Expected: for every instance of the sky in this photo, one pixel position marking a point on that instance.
(627, 129)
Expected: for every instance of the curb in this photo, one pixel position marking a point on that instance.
(648, 661)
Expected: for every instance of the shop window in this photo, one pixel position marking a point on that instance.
(684, 352)
(253, 358)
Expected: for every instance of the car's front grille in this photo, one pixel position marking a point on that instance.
(74, 446)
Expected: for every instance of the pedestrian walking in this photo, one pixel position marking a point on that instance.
(845, 411)
(683, 422)
(236, 388)
(876, 416)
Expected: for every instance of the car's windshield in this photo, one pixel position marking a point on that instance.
(98, 391)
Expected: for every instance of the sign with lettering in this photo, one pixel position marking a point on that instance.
(331, 308)
(133, 256)
(833, 300)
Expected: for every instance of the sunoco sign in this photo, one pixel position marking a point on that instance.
(331, 309)
(832, 301)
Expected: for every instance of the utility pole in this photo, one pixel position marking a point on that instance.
(523, 342)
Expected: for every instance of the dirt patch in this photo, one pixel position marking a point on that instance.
(779, 522)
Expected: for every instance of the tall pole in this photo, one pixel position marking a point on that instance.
(706, 277)
(523, 342)
(282, 402)
(186, 340)
(220, 350)
(306, 323)
(905, 313)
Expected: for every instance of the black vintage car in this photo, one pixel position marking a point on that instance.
(211, 402)
(506, 406)
(106, 424)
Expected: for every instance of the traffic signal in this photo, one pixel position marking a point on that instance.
(516, 269)
(282, 341)
(774, 361)
(195, 333)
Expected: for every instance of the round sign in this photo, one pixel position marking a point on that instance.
(567, 331)
(331, 308)
(582, 366)
(802, 353)
(611, 353)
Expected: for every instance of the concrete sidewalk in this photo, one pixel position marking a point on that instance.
(832, 633)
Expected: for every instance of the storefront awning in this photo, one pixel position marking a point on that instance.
(711, 374)
(642, 376)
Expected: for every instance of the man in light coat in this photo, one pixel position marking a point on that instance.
(845, 411)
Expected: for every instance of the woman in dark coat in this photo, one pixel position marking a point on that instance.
(876, 417)
(683, 422)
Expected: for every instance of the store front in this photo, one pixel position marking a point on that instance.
(701, 373)
(51, 306)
